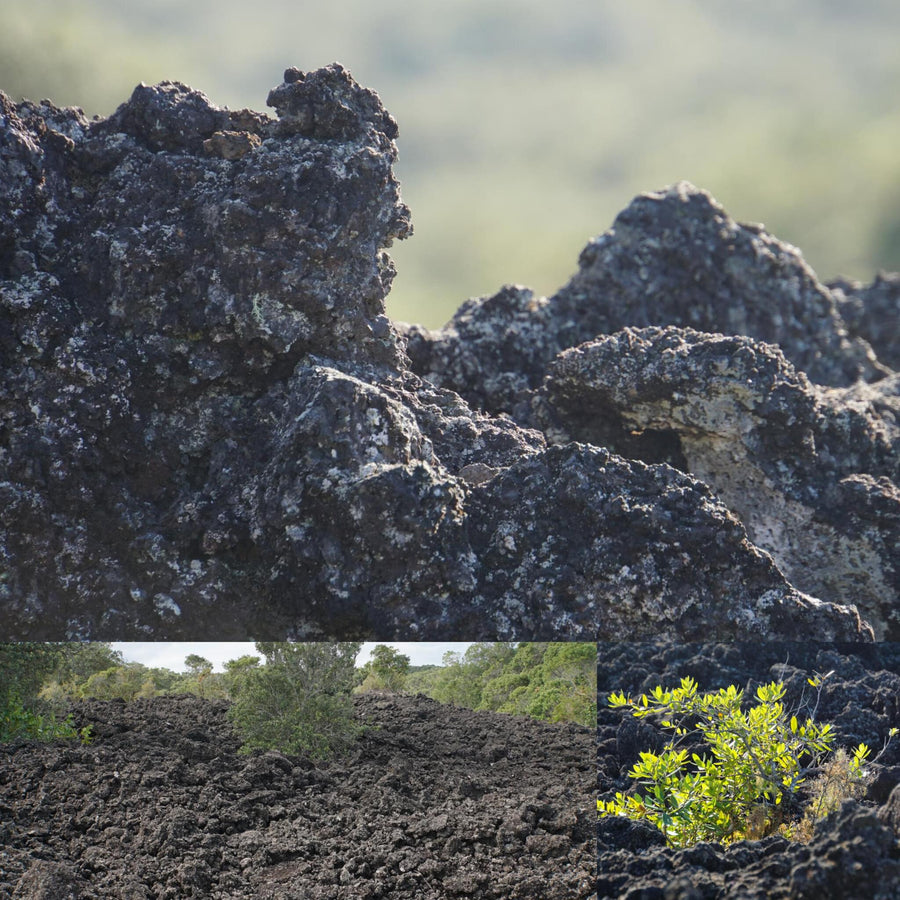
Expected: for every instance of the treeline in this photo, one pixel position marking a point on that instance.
(556, 682)
(550, 681)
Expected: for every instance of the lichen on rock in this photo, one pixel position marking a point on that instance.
(689, 340)
(795, 464)
(208, 424)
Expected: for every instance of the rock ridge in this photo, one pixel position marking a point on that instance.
(208, 423)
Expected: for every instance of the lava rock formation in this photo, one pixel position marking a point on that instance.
(434, 802)
(208, 425)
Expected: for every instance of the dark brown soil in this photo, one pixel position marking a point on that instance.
(854, 854)
(434, 802)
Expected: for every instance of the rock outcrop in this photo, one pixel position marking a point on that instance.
(811, 473)
(688, 339)
(208, 425)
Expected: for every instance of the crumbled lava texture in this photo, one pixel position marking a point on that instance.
(854, 853)
(434, 802)
(208, 425)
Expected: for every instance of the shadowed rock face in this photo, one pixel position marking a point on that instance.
(209, 426)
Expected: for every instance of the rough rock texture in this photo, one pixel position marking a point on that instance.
(688, 339)
(209, 426)
(854, 854)
(433, 803)
(872, 312)
(673, 257)
(812, 473)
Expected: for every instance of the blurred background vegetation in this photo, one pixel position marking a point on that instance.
(524, 126)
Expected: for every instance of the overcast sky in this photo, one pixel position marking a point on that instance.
(171, 654)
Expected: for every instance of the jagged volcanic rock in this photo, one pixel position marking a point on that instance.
(434, 802)
(688, 339)
(811, 472)
(872, 312)
(209, 426)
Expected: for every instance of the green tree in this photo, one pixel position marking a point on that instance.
(299, 701)
(199, 670)
(119, 683)
(552, 681)
(197, 665)
(23, 668)
(77, 661)
(507, 692)
(165, 681)
(386, 670)
(236, 670)
(422, 679)
(567, 686)
(462, 680)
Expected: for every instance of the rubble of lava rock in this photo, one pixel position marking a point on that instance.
(209, 424)
(854, 853)
(434, 802)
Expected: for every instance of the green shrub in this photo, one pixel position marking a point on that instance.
(299, 700)
(18, 722)
(117, 683)
(554, 682)
(23, 668)
(747, 785)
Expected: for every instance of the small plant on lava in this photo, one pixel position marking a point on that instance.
(747, 785)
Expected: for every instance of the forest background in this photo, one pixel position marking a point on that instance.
(555, 682)
(525, 126)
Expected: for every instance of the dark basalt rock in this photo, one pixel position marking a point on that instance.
(688, 339)
(431, 802)
(812, 473)
(674, 257)
(854, 852)
(872, 312)
(208, 425)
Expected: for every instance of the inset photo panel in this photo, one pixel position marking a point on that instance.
(737, 770)
(415, 771)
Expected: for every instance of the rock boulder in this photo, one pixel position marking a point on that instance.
(208, 425)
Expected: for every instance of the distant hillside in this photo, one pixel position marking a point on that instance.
(525, 127)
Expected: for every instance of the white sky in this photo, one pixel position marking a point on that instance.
(171, 654)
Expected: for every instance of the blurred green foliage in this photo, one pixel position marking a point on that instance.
(525, 127)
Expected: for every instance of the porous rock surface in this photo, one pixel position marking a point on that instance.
(854, 853)
(433, 802)
(812, 473)
(209, 426)
(688, 339)
(872, 312)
